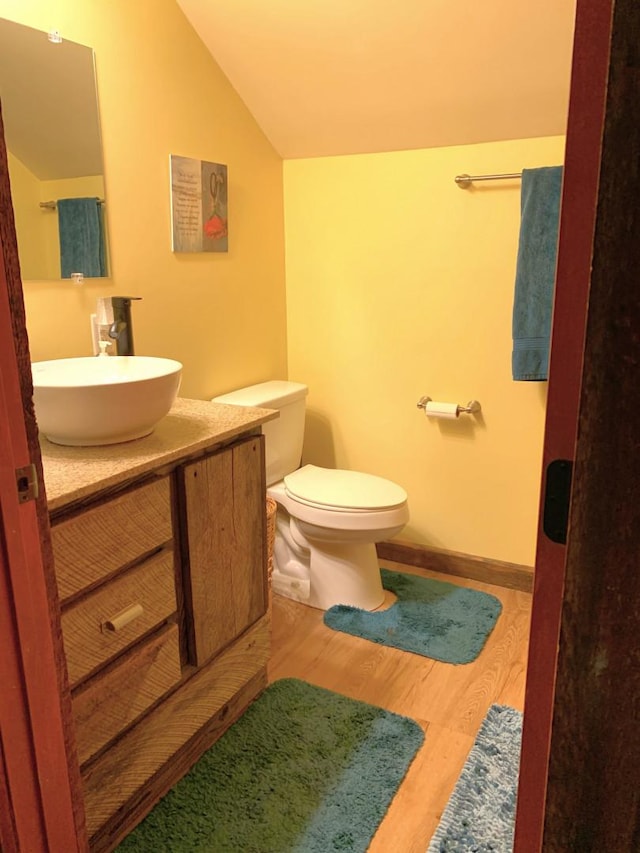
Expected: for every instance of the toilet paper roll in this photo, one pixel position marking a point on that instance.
(434, 409)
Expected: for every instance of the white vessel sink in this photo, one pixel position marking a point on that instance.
(103, 400)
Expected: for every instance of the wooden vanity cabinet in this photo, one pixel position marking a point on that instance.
(116, 574)
(93, 542)
(106, 706)
(226, 545)
(163, 590)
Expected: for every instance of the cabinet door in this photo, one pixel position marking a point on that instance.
(226, 544)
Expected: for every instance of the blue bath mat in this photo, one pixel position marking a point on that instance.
(480, 815)
(431, 618)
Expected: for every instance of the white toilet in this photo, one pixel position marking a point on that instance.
(328, 520)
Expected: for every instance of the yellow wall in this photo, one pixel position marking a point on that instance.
(400, 284)
(160, 93)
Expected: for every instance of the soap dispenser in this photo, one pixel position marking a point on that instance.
(101, 323)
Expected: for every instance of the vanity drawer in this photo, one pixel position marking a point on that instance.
(100, 626)
(97, 542)
(111, 701)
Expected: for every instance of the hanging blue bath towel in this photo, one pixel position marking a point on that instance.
(535, 272)
(81, 230)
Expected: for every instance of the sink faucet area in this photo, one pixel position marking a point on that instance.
(92, 401)
(122, 330)
(113, 324)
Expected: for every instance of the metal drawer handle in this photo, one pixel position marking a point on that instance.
(123, 618)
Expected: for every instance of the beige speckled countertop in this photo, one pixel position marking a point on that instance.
(72, 473)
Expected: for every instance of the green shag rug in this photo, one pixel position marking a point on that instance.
(480, 815)
(437, 620)
(304, 769)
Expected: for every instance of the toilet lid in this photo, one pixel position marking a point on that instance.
(337, 489)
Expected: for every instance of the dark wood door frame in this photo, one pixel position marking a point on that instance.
(40, 794)
(580, 774)
(585, 124)
(593, 795)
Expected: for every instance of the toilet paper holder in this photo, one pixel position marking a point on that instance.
(472, 407)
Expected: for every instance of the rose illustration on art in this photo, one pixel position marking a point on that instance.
(215, 227)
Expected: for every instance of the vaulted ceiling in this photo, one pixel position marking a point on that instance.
(325, 77)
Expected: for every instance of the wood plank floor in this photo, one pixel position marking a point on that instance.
(449, 702)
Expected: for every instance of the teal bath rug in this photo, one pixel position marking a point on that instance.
(430, 618)
(304, 770)
(480, 816)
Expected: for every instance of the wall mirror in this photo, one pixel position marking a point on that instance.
(52, 129)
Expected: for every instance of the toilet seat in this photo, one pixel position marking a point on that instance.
(343, 491)
(338, 518)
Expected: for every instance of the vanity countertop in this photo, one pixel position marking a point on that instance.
(192, 426)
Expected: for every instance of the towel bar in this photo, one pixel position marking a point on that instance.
(464, 181)
(51, 205)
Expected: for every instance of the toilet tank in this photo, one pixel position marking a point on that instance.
(283, 436)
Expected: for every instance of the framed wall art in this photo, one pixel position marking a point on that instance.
(199, 195)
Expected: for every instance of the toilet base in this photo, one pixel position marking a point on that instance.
(345, 574)
(289, 586)
(323, 573)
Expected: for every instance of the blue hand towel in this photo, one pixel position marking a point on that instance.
(81, 231)
(535, 271)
